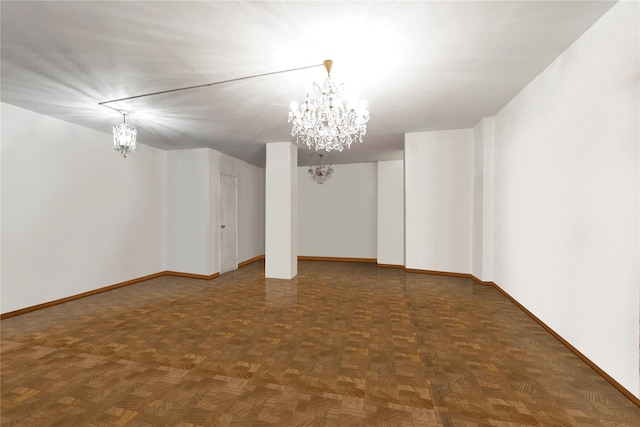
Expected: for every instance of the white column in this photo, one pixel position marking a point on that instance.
(391, 212)
(478, 199)
(482, 253)
(281, 211)
(487, 200)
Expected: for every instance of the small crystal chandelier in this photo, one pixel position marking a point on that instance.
(323, 121)
(124, 137)
(320, 172)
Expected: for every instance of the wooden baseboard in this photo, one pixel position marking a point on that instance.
(451, 274)
(391, 266)
(120, 285)
(438, 273)
(575, 351)
(336, 259)
(250, 261)
(78, 296)
(191, 275)
(482, 282)
(557, 336)
(106, 289)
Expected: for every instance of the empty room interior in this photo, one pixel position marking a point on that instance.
(279, 213)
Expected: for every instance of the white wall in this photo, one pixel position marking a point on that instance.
(75, 215)
(567, 198)
(390, 241)
(439, 200)
(192, 228)
(339, 217)
(188, 212)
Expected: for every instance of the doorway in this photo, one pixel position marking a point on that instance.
(228, 223)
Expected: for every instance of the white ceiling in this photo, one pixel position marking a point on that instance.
(420, 66)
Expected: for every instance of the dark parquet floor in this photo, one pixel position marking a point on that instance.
(340, 345)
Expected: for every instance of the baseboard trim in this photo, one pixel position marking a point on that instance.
(451, 274)
(105, 289)
(336, 259)
(546, 327)
(482, 282)
(574, 350)
(120, 285)
(78, 296)
(391, 266)
(250, 261)
(438, 273)
(191, 275)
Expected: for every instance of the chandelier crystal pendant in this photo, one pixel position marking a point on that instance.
(320, 172)
(323, 121)
(124, 137)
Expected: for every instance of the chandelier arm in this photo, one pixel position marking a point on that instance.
(206, 85)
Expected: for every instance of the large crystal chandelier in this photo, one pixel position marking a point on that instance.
(323, 122)
(320, 172)
(124, 137)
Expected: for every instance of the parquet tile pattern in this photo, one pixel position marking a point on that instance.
(342, 344)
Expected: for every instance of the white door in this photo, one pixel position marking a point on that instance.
(228, 223)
